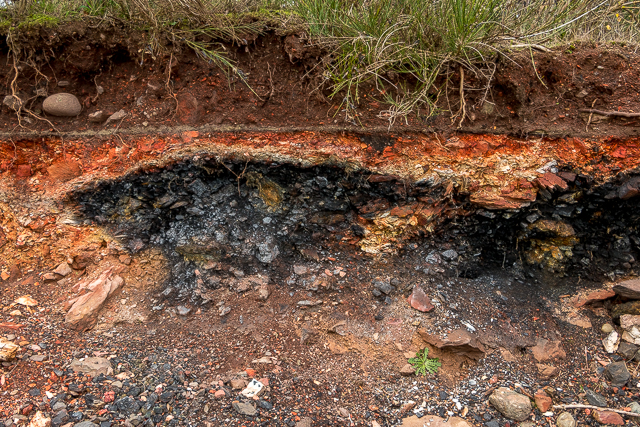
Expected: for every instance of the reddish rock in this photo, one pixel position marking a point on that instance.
(84, 311)
(109, 397)
(419, 300)
(264, 381)
(219, 394)
(401, 211)
(187, 110)
(595, 296)
(250, 372)
(551, 181)
(543, 401)
(64, 170)
(567, 176)
(490, 200)
(608, 417)
(546, 350)
(23, 171)
(628, 289)
(459, 342)
(547, 371)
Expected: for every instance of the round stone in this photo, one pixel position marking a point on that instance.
(62, 105)
(607, 328)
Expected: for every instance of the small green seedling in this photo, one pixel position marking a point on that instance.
(421, 363)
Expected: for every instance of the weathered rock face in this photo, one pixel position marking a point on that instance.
(62, 105)
(628, 289)
(512, 405)
(84, 311)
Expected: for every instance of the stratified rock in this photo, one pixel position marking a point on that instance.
(546, 350)
(512, 405)
(608, 417)
(595, 399)
(92, 366)
(565, 419)
(84, 312)
(617, 373)
(628, 289)
(460, 342)
(62, 105)
(419, 300)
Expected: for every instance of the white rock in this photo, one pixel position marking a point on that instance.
(611, 342)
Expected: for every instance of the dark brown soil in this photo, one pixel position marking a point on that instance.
(285, 87)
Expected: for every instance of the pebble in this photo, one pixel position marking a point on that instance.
(244, 408)
(565, 419)
(62, 105)
(595, 399)
(512, 405)
(617, 373)
(607, 329)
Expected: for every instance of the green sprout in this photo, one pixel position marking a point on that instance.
(421, 363)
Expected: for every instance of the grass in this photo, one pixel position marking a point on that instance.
(399, 47)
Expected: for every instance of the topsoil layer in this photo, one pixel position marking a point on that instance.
(281, 84)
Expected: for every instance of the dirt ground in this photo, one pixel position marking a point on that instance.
(261, 235)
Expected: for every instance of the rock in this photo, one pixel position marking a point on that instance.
(8, 350)
(267, 250)
(595, 399)
(512, 405)
(543, 401)
(565, 419)
(450, 255)
(628, 289)
(407, 370)
(617, 373)
(219, 394)
(98, 116)
(635, 407)
(84, 311)
(419, 300)
(183, 311)
(627, 350)
(596, 296)
(187, 109)
(93, 366)
(547, 371)
(263, 292)
(13, 102)
(118, 115)
(64, 170)
(300, 270)
(632, 307)
(545, 350)
(86, 424)
(63, 269)
(237, 383)
(610, 343)
(383, 286)
(127, 405)
(608, 417)
(305, 422)
(607, 328)
(414, 421)
(62, 105)
(39, 420)
(460, 342)
(255, 388)
(631, 328)
(244, 408)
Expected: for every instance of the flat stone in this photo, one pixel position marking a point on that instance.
(608, 417)
(565, 419)
(244, 408)
(547, 371)
(545, 350)
(617, 373)
(419, 300)
(85, 424)
(62, 105)
(414, 421)
(237, 384)
(595, 399)
(512, 405)
(460, 342)
(8, 350)
(83, 314)
(118, 115)
(63, 269)
(628, 289)
(93, 366)
(596, 296)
